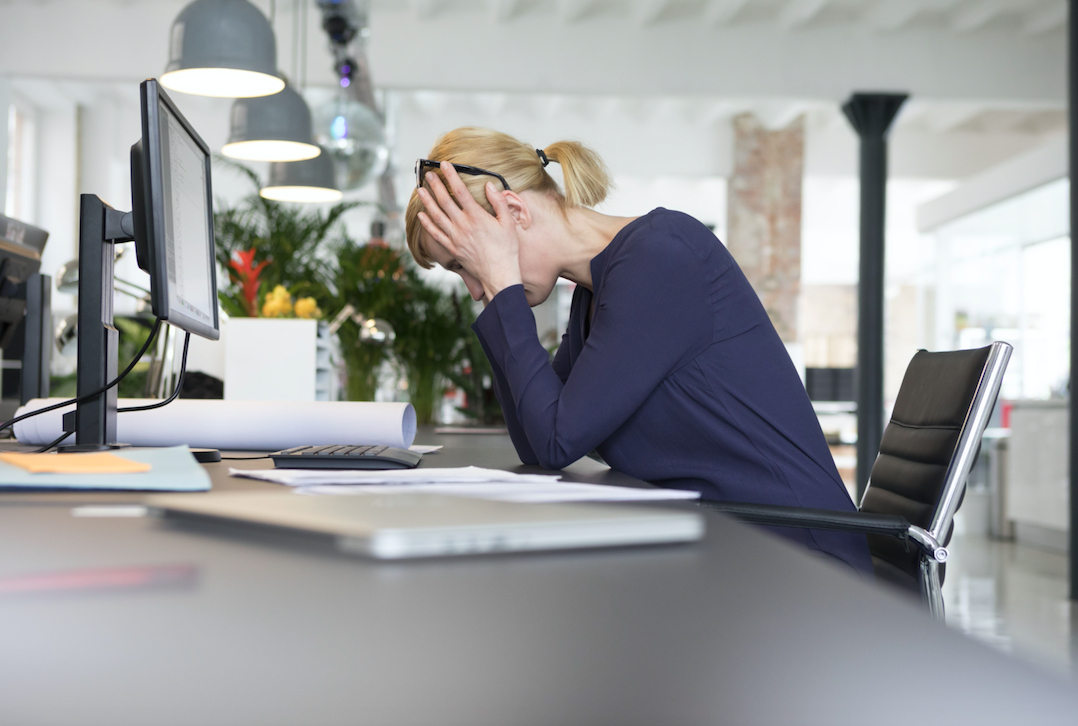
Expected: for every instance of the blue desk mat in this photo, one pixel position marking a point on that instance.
(174, 470)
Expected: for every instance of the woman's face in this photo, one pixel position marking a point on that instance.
(538, 271)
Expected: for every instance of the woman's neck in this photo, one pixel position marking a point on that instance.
(588, 233)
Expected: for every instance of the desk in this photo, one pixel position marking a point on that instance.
(741, 628)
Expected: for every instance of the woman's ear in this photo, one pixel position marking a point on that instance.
(518, 208)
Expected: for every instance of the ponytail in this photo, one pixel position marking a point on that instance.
(587, 180)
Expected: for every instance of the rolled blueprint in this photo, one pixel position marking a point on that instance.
(240, 425)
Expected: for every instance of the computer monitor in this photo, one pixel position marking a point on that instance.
(21, 246)
(25, 315)
(172, 206)
(172, 226)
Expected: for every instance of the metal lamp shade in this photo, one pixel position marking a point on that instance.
(271, 128)
(311, 180)
(222, 48)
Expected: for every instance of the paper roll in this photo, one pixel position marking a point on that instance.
(240, 425)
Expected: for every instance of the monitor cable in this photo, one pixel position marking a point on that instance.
(175, 392)
(148, 407)
(99, 391)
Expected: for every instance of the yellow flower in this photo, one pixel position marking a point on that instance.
(278, 303)
(306, 307)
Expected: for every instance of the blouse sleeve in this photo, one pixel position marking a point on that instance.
(652, 317)
(505, 398)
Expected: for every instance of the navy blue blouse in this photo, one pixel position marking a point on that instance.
(678, 379)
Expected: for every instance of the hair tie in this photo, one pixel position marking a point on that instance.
(542, 157)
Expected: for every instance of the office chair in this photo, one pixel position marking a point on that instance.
(919, 478)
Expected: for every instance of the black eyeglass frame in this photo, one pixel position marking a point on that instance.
(421, 166)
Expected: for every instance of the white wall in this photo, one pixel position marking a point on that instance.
(5, 102)
(57, 207)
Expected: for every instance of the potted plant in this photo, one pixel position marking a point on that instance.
(274, 254)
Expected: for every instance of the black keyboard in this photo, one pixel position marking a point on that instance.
(346, 457)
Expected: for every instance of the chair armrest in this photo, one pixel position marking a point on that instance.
(891, 525)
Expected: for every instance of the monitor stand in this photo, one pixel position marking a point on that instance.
(94, 419)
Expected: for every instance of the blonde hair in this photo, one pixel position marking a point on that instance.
(587, 180)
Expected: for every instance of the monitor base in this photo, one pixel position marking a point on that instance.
(87, 448)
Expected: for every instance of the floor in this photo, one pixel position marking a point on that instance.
(1013, 597)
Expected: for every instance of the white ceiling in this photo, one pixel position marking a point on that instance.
(883, 16)
(974, 68)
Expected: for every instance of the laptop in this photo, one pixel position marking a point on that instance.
(400, 525)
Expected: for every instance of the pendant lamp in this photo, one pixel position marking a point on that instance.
(309, 181)
(356, 138)
(271, 128)
(222, 48)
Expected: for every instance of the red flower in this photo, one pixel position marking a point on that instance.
(246, 273)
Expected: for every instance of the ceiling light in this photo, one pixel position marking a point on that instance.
(222, 48)
(271, 128)
(355, 136)
(310, 181)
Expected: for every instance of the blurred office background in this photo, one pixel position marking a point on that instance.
(728, 110)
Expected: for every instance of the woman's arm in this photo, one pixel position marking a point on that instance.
(509, 412)
(653, 317)
(561, 367)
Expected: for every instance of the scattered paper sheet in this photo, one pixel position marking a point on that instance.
(116, 510)
(466, 481)
(421, 449)
(457, 475)
(529, 493)
(97, 463)
(470, 430)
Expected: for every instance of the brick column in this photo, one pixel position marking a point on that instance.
(764, 215)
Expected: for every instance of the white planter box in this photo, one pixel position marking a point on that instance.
(277, 360)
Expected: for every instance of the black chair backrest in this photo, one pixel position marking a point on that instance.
(911, 470)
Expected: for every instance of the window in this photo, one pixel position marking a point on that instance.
(19, 202)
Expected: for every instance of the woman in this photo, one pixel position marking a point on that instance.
(670, 368)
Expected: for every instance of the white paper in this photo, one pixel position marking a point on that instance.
(241, 425)
(456, 475)
(465, 481)
(525, 493)
(420, 449)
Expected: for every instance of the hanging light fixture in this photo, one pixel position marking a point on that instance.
(355, 136)
(309, 181)
(222, 48)
(271, 128)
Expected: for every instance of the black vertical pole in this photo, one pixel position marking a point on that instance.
(1072, 101)
(98, 338)
(871, 115)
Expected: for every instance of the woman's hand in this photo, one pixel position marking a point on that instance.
(487, 247)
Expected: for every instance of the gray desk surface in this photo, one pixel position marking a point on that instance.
(740, 628)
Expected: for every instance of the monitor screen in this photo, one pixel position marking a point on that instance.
(173, 209)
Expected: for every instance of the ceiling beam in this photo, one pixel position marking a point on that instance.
(776, 116)
(722, 12)
(1046, 19)
(646, 12)
(570, 11)
(950, 117)
(975, 15)
(502, 11)
(800, 12)
(889, 15)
